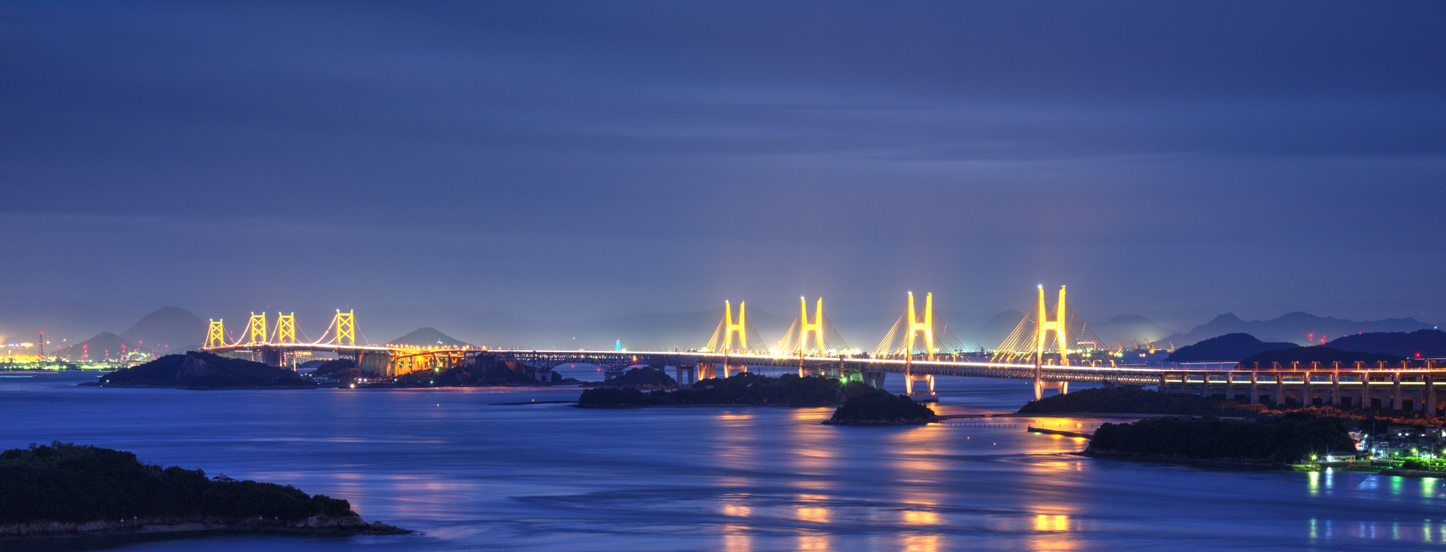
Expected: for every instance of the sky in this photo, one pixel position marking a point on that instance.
(563, 161)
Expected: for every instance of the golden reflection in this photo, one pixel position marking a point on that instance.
(1047, 522)
(812, 515)
(922, 543)
(918, 517)
(1314, 478)
(736, 540)
(814, 542)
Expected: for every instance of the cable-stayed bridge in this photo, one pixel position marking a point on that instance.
(1049, 351)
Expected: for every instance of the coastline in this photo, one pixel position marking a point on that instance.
(314, 525)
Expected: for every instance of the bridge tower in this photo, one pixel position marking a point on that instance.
(346, 329)
(215, 334)
(916, 326)
(805, 326)
(256, 329)
(739, 328)
(286, 328)
(1060, 327)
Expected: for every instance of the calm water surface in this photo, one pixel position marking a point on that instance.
(468, 474)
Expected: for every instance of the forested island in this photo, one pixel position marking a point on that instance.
(199, 370)
(1276, 440)
(743, 388)
(66, 489)
(859, 403)
(882, 409)
(1194, 429)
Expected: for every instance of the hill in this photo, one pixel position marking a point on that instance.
(65, 488)
(1417, 344)
(1321, 354)
(1228, 347)
(103, 345)
(168, 328)
(1293, 328)
(427, 337)
(997, 328)
(1130, 328)
(199, 370)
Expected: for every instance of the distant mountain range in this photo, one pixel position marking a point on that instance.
(170, 327)
(1296, 327)
(427, 337)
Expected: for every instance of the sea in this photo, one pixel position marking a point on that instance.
(472, 469)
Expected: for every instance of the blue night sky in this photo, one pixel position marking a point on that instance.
(568, 160)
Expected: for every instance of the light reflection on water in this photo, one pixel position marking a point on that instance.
(550, 477)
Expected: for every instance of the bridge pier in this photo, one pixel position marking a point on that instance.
(728, 369)
(909, 379)
(1041, 385)
(874, 379)
(687, 374)
(271, 356)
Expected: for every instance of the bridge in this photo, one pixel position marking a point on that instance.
(1051, 352)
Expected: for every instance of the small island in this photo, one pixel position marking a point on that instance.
(1277, 440)
(200, 370)
(1221, 430)
(882, 409)
(741, 389)
(65, 489)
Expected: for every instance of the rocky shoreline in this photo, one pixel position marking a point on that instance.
(320, 524)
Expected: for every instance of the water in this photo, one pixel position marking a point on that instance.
(469, 474)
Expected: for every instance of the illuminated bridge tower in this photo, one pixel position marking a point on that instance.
(215, 334)
(805, 326)
(256, 329)
(722, 341)
(1060, 327)
(286, 328)
(345, 328)
(916, 327)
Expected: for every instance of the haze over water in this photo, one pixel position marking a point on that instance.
(467, 473)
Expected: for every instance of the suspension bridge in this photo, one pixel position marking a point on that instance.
(1050, 351)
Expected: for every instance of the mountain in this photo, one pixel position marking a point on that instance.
(1417, 344)
(170, 326)
(684, 330)
(1295, 327)
(1324, 355)
(1228, 347)
(101, 346)
(995, 330)
(426, 336)
(1129, 328)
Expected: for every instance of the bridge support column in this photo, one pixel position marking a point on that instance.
(687, 375)
(1279, 390)
(728, 369)
(874, 379)
(1336, 388)
(1430, 396)
(1396, 391)
(1305, 398)
(1229, 386)
(1254, 386)
(1365, 389)
(1041, 385)
(927, 379)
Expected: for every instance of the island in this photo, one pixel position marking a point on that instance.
(882, 409)
(741, 389)
(201, 370)
(1278, 440)
(64, 489)
(1222, 430)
